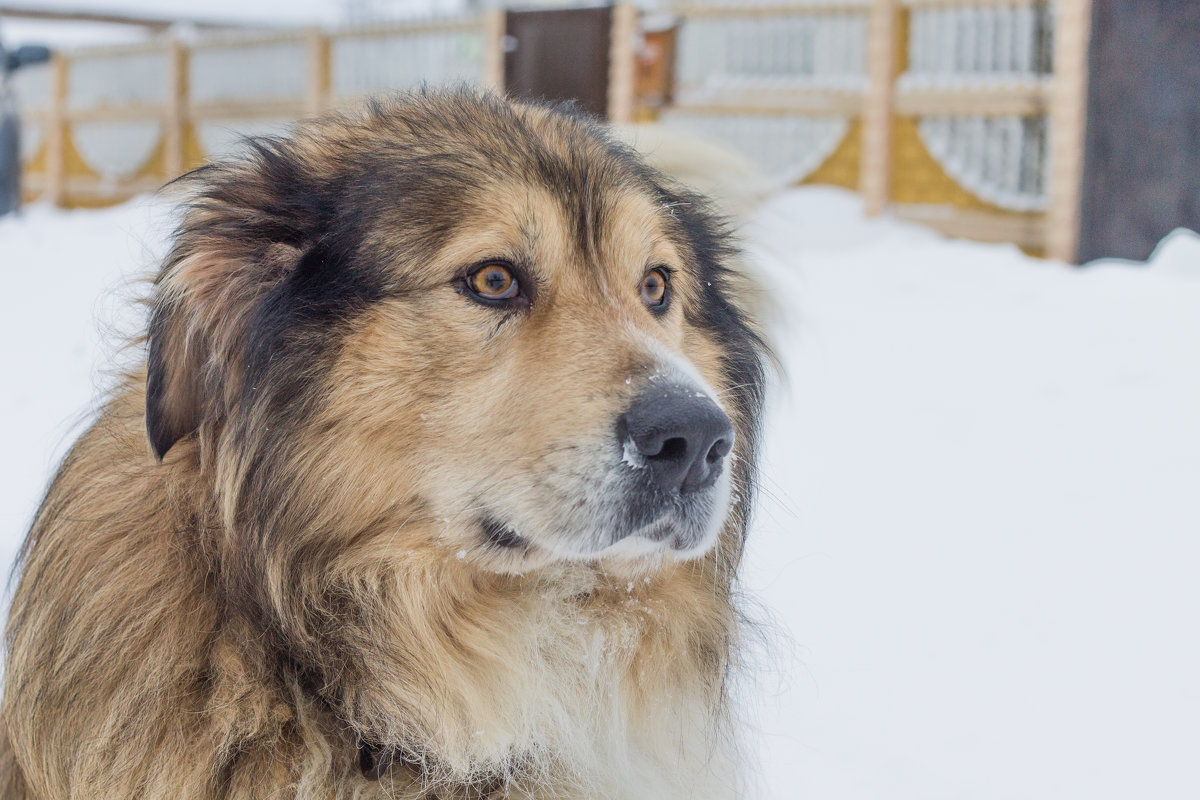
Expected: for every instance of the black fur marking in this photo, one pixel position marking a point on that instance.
(374, 761)
(501, 536)
(162, 423)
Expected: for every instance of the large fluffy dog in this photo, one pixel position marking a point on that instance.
(434, 485)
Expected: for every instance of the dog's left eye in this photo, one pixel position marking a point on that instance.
(654, 289)
(493, 282)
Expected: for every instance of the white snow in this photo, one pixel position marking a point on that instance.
(979, 537)
(71, 282)
(981, 523)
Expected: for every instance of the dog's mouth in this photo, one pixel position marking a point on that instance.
(657, 483)
(629, 530)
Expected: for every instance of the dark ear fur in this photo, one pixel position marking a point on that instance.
(197, 333)
(173, 390)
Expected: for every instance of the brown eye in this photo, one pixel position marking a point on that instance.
(493, 282)
(654, 289)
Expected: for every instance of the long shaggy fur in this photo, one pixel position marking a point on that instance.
(272, 562)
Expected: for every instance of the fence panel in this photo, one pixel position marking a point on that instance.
(233, 71)
(115, 99)
(769, 49)
(978, 45)
(113, 122)
(943, 104)
(781, 83)
(241, 87)
(382, 58)
(33, 88)
(788, 147)
(997, 58)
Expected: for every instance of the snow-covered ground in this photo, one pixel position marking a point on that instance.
(979, 539)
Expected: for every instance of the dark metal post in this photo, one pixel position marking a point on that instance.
(10, 124)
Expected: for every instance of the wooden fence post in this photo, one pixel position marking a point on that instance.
(879, 105)
(494, 31)
(56, 132)
(319, 72)
(175, 124)
(621, 64)
(1068, 127)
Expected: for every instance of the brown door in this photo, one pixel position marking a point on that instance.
(559, 55)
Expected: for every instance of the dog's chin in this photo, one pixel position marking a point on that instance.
(667, 537)
(642, 550)
(636, 553)
(631, 535)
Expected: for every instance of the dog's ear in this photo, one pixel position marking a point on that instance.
(173, 379)
(199, 328)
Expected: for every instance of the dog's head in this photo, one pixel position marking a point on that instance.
(452, 321)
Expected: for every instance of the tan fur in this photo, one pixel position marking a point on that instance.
(163, 608)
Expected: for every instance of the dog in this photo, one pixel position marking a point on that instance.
(434, 483)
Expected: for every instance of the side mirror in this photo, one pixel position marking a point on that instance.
(28, 55)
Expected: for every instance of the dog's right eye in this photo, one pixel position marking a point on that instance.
(492, 283)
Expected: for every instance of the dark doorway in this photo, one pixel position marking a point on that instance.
(1142, 162)
(559, 55)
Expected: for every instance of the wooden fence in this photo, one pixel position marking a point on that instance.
(105, 124)
(967, 115)
(979, 135)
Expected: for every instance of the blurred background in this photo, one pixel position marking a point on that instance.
(977, 557)
(989, 120)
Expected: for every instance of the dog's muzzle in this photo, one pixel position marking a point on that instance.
(679, 435)
(675, 441)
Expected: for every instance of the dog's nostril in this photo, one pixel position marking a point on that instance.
(673, 449)
(719, 450)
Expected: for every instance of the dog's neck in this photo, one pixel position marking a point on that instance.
(538, 672)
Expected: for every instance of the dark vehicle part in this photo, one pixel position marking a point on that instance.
(10, 123)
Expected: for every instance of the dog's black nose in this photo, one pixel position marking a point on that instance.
(680, 434)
